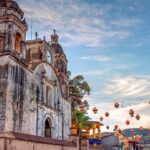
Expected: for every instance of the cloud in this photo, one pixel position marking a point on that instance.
(80, 23)
(90, 73)
(126, 22)
(120, 115)
(97, 58)
(120, 66)
(123, 115)
(129, 87)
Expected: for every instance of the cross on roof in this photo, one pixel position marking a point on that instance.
(36, 35)
(54, 31)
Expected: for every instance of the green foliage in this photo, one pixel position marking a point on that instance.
(81, 119)
(85, 102)
(78, 88)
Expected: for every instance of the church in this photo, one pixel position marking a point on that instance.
(34, 79)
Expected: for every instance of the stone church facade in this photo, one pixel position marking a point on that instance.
(34, 79)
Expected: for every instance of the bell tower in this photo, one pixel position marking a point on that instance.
(60, 60)
(13, 29)
(54, 38)
(60, 63)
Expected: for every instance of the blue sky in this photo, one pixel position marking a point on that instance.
(107, 41)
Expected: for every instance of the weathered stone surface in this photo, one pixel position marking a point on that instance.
(33, 80)
(19, 141)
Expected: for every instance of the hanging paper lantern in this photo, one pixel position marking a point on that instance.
(107, 127)
(137, 117)
(127, 122)
(116, 126)
(82, 107)
(101, 118)
(107, 114)
(95, 110)
(141, 128)
(131, 112)
(116, 105)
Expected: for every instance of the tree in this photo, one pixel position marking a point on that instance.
(80, 119)
(78, 87)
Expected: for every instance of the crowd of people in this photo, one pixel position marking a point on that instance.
(126, 143)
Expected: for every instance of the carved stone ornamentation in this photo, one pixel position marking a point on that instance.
(31, 101)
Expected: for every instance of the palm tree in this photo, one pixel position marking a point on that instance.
(80, 119)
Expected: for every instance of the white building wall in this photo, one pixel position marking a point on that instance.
(30, 119)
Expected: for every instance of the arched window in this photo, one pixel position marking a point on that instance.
(48, 128)
(18, 39)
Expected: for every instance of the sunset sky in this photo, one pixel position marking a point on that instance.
(108, 42)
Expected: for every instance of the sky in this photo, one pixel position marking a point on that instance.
(106, 41)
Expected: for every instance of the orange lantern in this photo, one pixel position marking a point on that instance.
(82, 107)
(116, 126)
(116, 105)
(95, 110)
(107, 127)
(127, 122)
(137, 117)
(101, 118)
(131, 112)
(107, 114)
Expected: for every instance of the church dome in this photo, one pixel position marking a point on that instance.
(16, 7)
(58, 48)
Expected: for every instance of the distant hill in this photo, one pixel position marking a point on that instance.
(143, 132)
(127, 132)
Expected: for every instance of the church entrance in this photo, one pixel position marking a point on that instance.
(48, 128)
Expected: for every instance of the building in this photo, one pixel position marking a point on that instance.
(110, 141)
(33, 79)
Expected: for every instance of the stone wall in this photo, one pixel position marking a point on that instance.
(110, 141)
(17, 141)
(3, 89)
(34, 95)
(23, 108)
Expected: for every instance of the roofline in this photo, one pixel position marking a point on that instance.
(33, 138)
